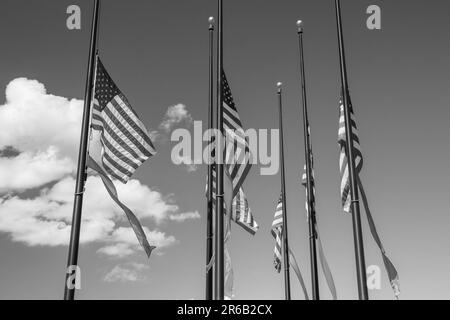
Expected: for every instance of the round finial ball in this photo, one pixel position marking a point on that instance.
(211, 20)
(279, 85)
(300, 25)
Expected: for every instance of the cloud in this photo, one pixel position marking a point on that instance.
(45, 220)
(131, 272)
(43, 130)
(119, 250)
(32, 120)
(175, 115)
(39, 139)
(182, 217)
(30, 170)
(124, 242)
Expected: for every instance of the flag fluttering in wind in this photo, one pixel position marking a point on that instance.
(238, 159)
(323, 260)
(345, 187)
(125, 142)
(277, 233)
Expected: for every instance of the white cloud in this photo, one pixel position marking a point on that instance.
(182, 217)
(119, 250)
(45, 220)
(43, 132)
(132, 272)
(175, 115)
(30, 170)
(32, 120)
(144, 202)
(124, 242)
(126, 235)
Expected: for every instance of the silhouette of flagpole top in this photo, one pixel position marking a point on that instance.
(300, 26)
(211, 21)
(279, 86)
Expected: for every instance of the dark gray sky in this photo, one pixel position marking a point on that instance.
(156, 51)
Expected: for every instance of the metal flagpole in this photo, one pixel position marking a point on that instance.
(356, 216)
(312, 214)
(69, 291)
(209, 228)
(219, 229)
(287, 280)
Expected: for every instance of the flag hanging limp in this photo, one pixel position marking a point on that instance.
(345, 187)
(323, 260)
(238, 159)
(277, 233)
(124, 143)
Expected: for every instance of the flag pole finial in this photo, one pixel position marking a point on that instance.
(279, 86)
(299, 26)
(211, 21)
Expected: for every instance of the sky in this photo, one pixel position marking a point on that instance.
(157, 53)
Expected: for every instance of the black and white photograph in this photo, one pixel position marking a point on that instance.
(245, 152)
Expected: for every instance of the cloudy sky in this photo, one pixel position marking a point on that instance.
(157, 53)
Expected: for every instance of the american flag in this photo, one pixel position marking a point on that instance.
(238, 158)
(277, 233)
(345, 188)
(237, 162)
(237, 165)
(241, 213)
(242, 216)
(343, 159)
(305, 180)
(125, 140)
(313, 196)
(323, 260)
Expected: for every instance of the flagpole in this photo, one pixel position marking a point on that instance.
(69, 293)
(209, 228)
(311, 211)
(356, 216)
(287, 281)
(219, 230)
